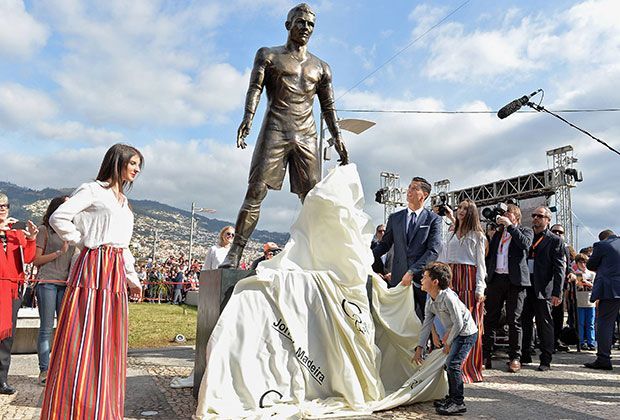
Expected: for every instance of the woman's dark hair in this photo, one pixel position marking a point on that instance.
(114, 162)
(471, 221)
(51, 208)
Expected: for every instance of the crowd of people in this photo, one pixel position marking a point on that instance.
(508, 274)
(461, 287)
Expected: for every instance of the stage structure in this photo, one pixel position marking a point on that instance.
(391, 195)
(553, 182)
(556, 182)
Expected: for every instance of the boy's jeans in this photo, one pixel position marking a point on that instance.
(458, 352)
(49, 297)
(586, 318)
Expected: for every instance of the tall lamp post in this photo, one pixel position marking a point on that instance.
(348, 124)
(191, 228)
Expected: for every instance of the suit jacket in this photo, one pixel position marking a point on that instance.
(423, 248)
(549, 266)
(605, 260)
(19, 251)
(517, 255)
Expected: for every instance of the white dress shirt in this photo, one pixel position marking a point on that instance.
(417, 216)
(215, 256)
(501, 267)
(92, 217)
(470, 249)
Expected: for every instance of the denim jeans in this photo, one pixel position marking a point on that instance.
(586, 318)
(458, 352)
(178, 296)
(49, 297)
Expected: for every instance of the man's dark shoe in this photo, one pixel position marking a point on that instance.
(562, 347)
(598, 365)
(6, 389)
(591, 347)
(526, 359)
(543, 368)
(451, 409)
(487, 363)
(442, 402)
(514, 366)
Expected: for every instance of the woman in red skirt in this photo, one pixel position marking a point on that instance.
(465, 252)
(86, 376)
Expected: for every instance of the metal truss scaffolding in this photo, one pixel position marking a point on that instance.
(556, 181)
(392, 194)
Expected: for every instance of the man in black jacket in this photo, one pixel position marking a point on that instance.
(546, 266)
(506, 281)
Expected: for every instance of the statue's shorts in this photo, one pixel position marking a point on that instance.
(275, 150)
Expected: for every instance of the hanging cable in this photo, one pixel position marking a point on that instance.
(405, 48)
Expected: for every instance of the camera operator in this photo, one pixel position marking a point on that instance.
(507, 279)
(546, 267)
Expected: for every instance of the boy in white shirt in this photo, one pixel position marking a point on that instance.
(461, 332)
(586, 310)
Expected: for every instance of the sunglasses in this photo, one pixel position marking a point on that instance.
(5, 206)
(558, 232)
(381, 231)
(538, 216)
(232, 235)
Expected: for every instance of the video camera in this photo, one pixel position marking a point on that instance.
(442, 204)
(491, 213)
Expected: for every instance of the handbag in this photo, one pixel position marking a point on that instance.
(29, 299)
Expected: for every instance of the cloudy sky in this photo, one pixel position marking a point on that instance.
(170, 78)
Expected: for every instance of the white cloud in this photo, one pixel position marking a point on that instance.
(152, 65)
(20, 34)
(73, 130)
(585, 33)
(20, 105)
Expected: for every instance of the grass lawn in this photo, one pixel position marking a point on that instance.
(156, 325)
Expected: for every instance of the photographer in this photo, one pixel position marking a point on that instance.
(18, 249)
(507, 278)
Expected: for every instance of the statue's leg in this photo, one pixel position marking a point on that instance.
(246, 223)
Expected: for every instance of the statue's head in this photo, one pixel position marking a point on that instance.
(300, 23)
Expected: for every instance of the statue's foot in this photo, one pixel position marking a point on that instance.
(233, 257)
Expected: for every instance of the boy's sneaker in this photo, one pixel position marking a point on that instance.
(440, 403)
(591, 347)
(451, 409)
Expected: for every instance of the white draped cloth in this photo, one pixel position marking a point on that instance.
(298, 339)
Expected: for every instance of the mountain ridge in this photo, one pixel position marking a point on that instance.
(159, 228)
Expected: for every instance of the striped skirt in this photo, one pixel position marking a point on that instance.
(464, 285)
(86, 376)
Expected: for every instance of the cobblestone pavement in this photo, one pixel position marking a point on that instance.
(568, 391)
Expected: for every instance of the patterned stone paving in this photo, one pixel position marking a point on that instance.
(568, 391)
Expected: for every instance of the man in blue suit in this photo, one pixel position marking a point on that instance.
(605, 260)
(415, 233)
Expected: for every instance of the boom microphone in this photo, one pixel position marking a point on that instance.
(515, 105)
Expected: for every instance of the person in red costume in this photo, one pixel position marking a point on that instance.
(17, 249)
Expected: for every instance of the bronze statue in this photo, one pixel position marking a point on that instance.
(292, 76)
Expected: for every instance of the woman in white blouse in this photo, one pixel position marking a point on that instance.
(465, 252)
(217, 253)
(86, 376)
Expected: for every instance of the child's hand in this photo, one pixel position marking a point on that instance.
(417, 357)
(446, 348)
